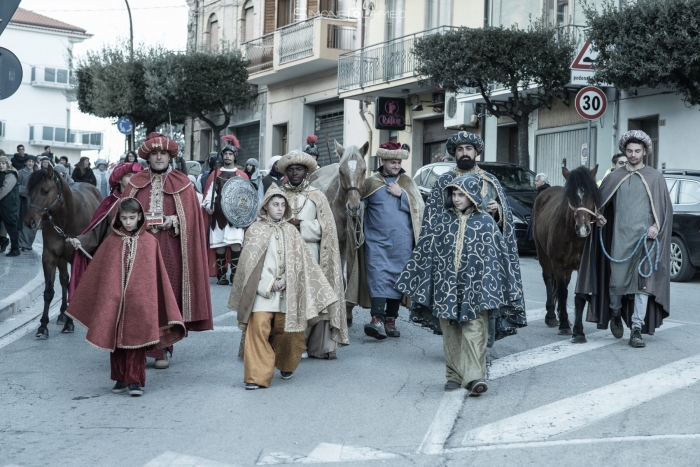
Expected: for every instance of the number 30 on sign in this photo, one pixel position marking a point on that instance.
(591, 103)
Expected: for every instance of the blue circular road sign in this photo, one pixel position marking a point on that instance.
(124, 125)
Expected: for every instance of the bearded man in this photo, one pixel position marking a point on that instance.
(393, 212)
(636, 208)
(222, 235)
(174, 217)
(465, 147)
(312, 216)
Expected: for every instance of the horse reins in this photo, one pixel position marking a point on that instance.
(355, 221)
(581, 208)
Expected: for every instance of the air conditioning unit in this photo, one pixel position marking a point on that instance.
(459, 114)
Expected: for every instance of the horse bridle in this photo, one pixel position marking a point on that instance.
(581, 208)
(46, 211)
(356, 224)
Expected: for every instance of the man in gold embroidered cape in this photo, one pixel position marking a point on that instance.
(313, 217)
(392, 217)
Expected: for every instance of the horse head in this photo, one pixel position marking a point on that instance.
(352, 170)
(45, 188)
(582, 196)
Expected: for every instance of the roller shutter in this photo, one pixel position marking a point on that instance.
(249, 137)
(329, 127)
(552, 148)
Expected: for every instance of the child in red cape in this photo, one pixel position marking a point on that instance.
(137, 308)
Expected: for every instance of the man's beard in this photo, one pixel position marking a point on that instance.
(466, 163)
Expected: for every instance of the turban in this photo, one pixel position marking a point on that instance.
(123, 169)
(297, 158)
(464, 137)
(641, 136)
(392, 151)
(158, 142)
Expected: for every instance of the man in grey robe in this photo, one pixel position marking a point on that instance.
(26, 235)
(393, 211)
(636, 203)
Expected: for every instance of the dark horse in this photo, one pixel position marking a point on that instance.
(561, 222)
(58, 208)
(342, 183)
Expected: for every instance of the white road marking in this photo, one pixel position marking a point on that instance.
(573, 442)
(539, 313)
(452, 402)
(29, 316)
(681, 322)
(326, 452)
(226, 329)
(580, 410)
(173, 459)
(225, 316)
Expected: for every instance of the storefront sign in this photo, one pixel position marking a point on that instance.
(390, 113)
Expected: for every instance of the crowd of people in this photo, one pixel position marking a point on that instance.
(452, 259)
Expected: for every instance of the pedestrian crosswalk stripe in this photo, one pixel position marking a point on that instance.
(327, 452)
(452, 402)
(580, 410)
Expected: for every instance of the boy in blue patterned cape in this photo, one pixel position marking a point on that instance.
(468, 284)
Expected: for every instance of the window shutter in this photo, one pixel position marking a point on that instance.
(433, 14)
(445, 18)
(269, 16)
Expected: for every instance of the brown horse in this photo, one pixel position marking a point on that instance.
(342, 184)
(561, 222)
(61, 211)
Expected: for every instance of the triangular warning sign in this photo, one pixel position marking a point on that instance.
(585, 58)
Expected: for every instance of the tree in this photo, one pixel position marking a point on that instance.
(202, 85)
(111, 84)
(532, 64)
(648, 44)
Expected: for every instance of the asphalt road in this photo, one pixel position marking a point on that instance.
(550, 403)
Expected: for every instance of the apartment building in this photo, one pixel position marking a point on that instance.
(40, 112)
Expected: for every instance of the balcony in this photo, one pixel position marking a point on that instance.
(299, 49)
(58, 137)
(373, 68)
(51, 77)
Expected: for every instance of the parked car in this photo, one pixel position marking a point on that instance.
(517, 181)
(684, 188)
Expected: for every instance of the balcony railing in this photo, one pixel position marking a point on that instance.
(260, 53)
(297, 41)
(380, 63)
(52, 77)
(65, 138)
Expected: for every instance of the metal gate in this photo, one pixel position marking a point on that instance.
(249, 137)
(552, 148)
(329, 127)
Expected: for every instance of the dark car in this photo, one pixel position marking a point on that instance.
(518, 182)
(684, 188)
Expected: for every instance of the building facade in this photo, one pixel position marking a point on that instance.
(40, 112)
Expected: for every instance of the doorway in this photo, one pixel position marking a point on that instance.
(650, 126)
(280, 140)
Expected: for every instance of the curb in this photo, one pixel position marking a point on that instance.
(22, 298)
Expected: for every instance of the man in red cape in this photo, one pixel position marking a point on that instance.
(98, 229)
(174, 216)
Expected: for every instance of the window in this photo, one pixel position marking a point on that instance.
(395, 13)
(439, 13)
(558, 12)
(248, 21)
(213, 29)
(285, 12)
(60, 135)
(62, 76)
(50, 75)
(689, 192)
(672, 185)
(47, 134)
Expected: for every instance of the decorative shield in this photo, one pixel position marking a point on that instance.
(239, 201)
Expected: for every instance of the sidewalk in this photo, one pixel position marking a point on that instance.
(21, 279)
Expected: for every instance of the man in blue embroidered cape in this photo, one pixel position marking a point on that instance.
(470, 281)
(465, 147)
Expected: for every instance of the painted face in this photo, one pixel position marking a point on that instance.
(392, 167)
(296, 174)
(635, 153)
(125, 181)
(276, 207)
(460, 200)
(229, 159)
(130, 220)
(3, 166)
(159, 160)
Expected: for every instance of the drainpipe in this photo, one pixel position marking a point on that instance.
(616, 120)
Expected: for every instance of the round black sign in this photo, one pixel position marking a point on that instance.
(10, 73)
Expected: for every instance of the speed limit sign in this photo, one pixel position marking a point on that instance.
(591, 103)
